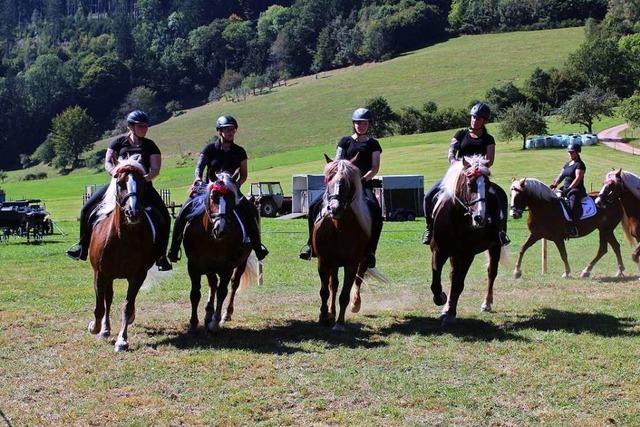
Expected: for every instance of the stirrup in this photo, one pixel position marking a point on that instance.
(77, 253)
(174, 256)
(261, 252)
(503, 238)
(426, 237)
(305, 253)
(163, 264)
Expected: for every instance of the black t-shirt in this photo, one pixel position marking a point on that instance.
(465, 145)
(366, 149)
(123, 148)
(217, 160)
(569, 173)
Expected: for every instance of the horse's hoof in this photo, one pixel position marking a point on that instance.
(620, 273)
(338, 327)
(440, 299)
(485, 308)
(105, 334)
(566, 275)
(93, 327)
(355, 306)
(447, 320)
(213, 326)
(517, 274)
(585, 274)
(325, 319)
(226, 318)
(121, 345)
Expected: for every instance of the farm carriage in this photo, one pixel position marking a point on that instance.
(24, 218)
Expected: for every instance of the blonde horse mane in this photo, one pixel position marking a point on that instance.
(453, 179)
(359, 206)
(108, 202)
(535, 188)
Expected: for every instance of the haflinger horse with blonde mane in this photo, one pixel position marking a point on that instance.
(461, 229)
(340, 238)
(122, 246)
(548, 220)
(217, 245)
(623, 187)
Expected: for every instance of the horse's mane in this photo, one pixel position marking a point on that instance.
(230, 183)
(535, 188)
(632, 182)
(201, 197)
(108, 202)
(453, 178)
(359, 204)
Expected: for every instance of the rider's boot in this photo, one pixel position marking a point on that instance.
(503, 238)
(306, 253)
(163, 264)
(427, 235)
(78, 252)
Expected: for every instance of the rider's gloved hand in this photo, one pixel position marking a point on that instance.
(195, 186)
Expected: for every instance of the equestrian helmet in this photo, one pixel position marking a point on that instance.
(137, 117)
(361, 114)
(226, 122)
(574, 146)
(481, 110)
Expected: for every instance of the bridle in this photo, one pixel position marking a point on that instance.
(345, 202)
(471, 174)
(223, 191)
(518, 210)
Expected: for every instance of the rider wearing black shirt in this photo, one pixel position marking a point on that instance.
(473, 141)
(150, 157)
(573, 189)
(368, 151)
(222, 155)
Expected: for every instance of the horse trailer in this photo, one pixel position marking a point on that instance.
(400, 197)
(306, 188)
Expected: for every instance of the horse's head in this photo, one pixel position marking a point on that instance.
(473, 189)
(221, 199)
(518, 198)
(343, 182)
(129, 188)
(611, 190)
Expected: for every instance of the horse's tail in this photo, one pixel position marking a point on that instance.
(376, 274)
(504, 260)
(251, 275)
(626, 227)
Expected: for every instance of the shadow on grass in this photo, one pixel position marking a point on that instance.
(578, 323)
(464, 328)
(624, 279)
(276, 339)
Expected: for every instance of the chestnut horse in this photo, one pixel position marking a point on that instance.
(216, 245)
(461, 230)
(624, 187)
(547, 221)
(122, 246)
(340, 238)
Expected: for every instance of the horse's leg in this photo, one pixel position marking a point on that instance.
(616, 250)
(517, 271)
(438, 258)
(325, 274)
(602, 249)
(333, 288)
(128, 311)
(349, 277)
(194, 296)
(108, 299)
(212, 279)
(221, 294)
(492, 272)
(563, 254)
(99, 286)
(355, 293)
(459, 268)
(235, 282)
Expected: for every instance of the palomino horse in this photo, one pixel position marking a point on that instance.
(122, 247)
(341, 239)
(216, 245)
(546, 221)
(461, 230)
(624, 187)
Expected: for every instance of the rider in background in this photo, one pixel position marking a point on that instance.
(368, 162)
(222, 155)
(475, 140)
(573, 189)
(134, 142)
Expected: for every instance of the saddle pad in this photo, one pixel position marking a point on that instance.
(589, 209)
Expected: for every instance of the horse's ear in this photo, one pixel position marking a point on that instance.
(513, 178)
(522, 181)
(327, 158)
(355, 158)
(619, 173)
(465, 163)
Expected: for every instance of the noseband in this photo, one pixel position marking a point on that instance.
(517, 210)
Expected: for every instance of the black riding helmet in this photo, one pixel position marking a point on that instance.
(137, 117)
(361, 114)
(226, 122)
(574, 146)
(481, 110)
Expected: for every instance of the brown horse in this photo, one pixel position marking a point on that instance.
(623, 187)
(546, 221)
(461, 230)
(122, 247)
(341, 239)
(216, 245)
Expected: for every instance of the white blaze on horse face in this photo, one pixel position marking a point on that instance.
(480, 217)
(222, 206)
(132, 189)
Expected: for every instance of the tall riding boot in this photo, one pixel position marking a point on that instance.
(178, 232)
(376, 230)
(306, 252)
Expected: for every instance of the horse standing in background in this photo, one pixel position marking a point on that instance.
(547, 221)
(216, 245)
(461, 230)
(122, 247)
(340, 238)
(623, 187)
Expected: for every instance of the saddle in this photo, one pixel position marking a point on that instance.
(587, 205)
